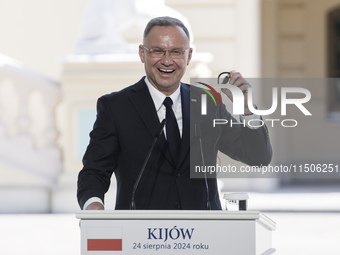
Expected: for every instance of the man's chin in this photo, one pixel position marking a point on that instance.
(167, 87)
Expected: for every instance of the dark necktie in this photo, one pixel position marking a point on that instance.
(172, 131)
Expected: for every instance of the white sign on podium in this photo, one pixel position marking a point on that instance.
(175, 232)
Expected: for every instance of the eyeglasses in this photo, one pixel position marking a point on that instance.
(158, 53)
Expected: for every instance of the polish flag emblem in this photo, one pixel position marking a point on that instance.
(104, 239)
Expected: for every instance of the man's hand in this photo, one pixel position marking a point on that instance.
(237, 80)
(95, 206)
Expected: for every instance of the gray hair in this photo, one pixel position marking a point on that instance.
(165, 22)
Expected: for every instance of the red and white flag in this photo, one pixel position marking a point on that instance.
(104, 239)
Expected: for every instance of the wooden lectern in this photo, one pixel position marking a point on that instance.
(175, 232)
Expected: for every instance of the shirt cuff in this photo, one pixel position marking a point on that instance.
(255, 121)
(92, 200)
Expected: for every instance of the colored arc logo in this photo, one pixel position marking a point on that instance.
(213, 90)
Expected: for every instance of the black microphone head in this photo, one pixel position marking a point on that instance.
(160, 128)
(208, 206)
(133, 205)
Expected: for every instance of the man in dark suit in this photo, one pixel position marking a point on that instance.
(128, 120)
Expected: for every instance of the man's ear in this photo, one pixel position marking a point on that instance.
(189, 56)
(141, 53)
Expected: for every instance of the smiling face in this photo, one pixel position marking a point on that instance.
(165, 72)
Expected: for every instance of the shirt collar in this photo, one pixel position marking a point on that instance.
(158, 97)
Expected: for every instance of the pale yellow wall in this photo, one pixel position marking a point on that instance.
(294, 37)
(229, 29)
(38, 32)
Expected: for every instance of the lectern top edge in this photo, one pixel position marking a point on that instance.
(167, 214)
(176, 215)
(173, 215)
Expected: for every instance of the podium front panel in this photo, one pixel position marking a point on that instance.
(161, 232)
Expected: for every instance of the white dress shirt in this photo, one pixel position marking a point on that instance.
(158, 99)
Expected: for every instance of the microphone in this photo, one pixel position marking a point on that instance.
(198, 134)
(156, 136)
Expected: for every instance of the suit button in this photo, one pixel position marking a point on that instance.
(178, 175)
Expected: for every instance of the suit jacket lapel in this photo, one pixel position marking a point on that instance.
(145, 107)
(185, 97)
